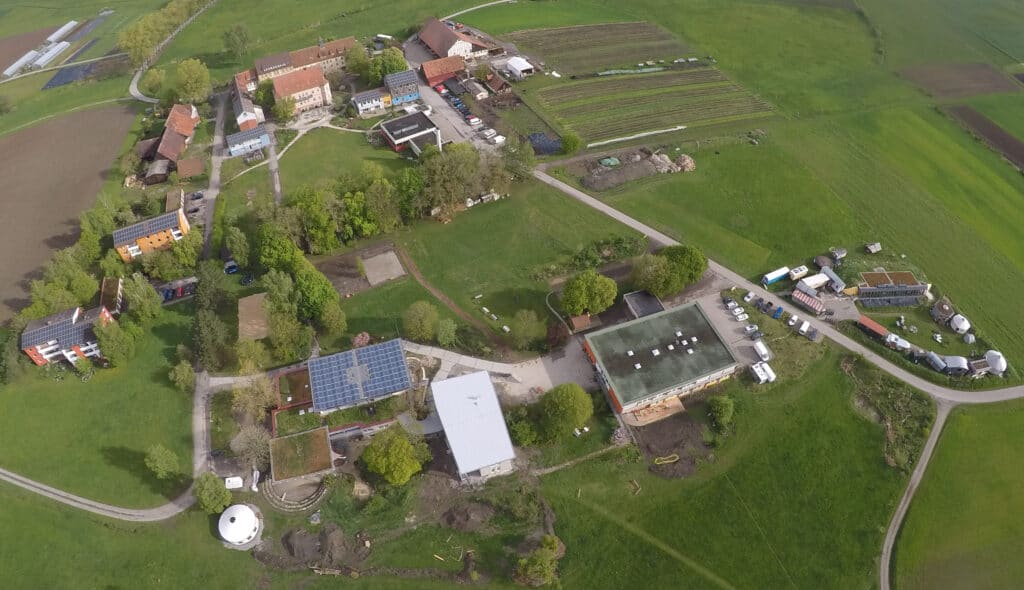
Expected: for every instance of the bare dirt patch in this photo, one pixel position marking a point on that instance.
(15, 46)
(959, 80)
(680, 435)
(51, 172)
(990, 132)
(346, 271)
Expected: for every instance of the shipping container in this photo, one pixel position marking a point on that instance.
(775, 276)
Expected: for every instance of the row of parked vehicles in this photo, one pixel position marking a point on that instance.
(487, 133)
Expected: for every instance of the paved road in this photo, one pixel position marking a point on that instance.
(210, 195)
(274, 166)
(477, 7)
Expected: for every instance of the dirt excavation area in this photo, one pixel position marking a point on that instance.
(673, 447)
(51, 172)
(616, 168)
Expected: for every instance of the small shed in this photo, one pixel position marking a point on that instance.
(519, 68)
(935, 361)
(158, 171)
(476, 90)
(873, 247)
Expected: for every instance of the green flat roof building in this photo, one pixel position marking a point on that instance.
(669, 353)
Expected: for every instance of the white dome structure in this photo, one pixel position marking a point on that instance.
(959, 324)
(996, 362)
(239, 524)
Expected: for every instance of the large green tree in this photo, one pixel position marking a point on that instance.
(564, 408)
(252, 445)
(252, 355)
(193, 79)
(143, 302)
(653, 273)
(419, 321)
(283, 109)
(721, 408)
(395, 456)
(526, 328)
(162, 462)
(210, 336)
(238, 244)
(589, 292)
(389, 61)
(211, 494)
(319, 228)
(116, 343)
(289, 338)
(236, 41)
(687, 265)
(357, 61)
(254, 398)
(449, 177)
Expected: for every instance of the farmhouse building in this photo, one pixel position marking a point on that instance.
(157, 171)
(885, 289)
(415, 130)
(245, 142)
(329, 55)
(158, 233)
(402, 86)
(66, 335)
(438, 70)
(474, 426)
(656, 359)
(497, 84)
(272, 66)
(247, 114)
(360, 376)
(371, 101)
(308, 88)
(442, 41)
(178, 131)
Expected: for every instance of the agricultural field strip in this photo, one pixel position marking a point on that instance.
(588, 48)
(595, 109)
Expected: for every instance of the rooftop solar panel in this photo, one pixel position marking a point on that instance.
(128, 235)
(358, 376)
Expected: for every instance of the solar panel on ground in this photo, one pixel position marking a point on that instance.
(358, 376)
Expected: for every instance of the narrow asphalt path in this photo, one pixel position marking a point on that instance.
(275, 167)
(213, 190)
(884, 567)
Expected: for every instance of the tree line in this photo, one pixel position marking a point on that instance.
(140, 39)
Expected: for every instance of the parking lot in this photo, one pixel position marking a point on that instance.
(195, 207)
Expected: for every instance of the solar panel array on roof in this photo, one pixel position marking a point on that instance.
(64, 327)
(358, 376)
(128, 235)
(397, 79)
(245, 136)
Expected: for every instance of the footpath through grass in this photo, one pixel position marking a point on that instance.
(91, 438)
(964, 529)
(799, 494)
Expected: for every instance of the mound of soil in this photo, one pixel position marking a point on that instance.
(303, 546)
(469, 517)
(680, 435)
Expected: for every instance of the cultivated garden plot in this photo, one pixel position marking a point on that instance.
(604, 108)
(990, 132)
(960, 80)
(300, 454)
(591, 48)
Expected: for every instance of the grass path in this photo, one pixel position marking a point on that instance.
(760, 529)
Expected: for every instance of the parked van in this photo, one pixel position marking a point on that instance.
(498, 139)
(804, 327)
(762, 351)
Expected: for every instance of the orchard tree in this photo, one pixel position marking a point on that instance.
(447, 333)
(254, 398)
(183, 376)
(252, 445)
(526, 328)
(210, 493)
(238, 244)
(236, 41)
(722, 408)
(210, 335)
(540, 567)
(253, 356)
(571, 143)
(116, 343)
(283, 109)
(589, 292)
(396, 457)
(653, 273)
(193, 81)
(153, 82)
(289, 338)
(332, 319)
(357, 62)
(162, 462)
(419, 321)
(564, 408)
(144, 303)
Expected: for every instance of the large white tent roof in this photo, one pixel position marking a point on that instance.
(472, 420)
(996, 362)
(238, 524)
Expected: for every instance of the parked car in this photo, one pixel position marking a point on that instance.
(488, 133)
(247, 280)
(731, 304)
(197, 195)
(742, 317)
(168, 294)
(792, 320)
(748, 297)
(230, 267)
(474, 120)
(750, 328)
(498, 139)
(193, 210)
(441, 89)
(726, 299)
(757, 335)
(738, 311)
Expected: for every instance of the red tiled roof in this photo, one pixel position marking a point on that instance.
(443, 66)
(242, 79)
(181, 121)
(171, 145)
(299, 81)
(872, 326)
(318, 53)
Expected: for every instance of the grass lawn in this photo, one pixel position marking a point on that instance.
(786, 502)
(300, 454)
(223, 426)
(379, 310)
(290, 422)
(322, 155)
(91, 438)
(1005, 109)
(494, 249)
(963, 529)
